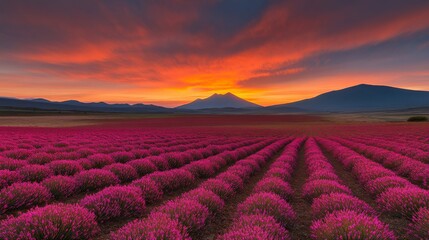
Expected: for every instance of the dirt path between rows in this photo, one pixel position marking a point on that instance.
(397, 225)
(220, 223)
(106, 229)
(301, 229)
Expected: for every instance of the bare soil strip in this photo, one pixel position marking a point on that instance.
(301, 229)
(220, 223)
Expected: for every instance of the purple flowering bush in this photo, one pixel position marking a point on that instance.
(150, 190)
(143, 166)
(403, 202)
(61, 186)
(329, 203)
(115, 202)
(94, 179)
(59, 221)
(207, 198)
(190, 213)
(8, 177)
(65, 167)
(316, 188)
(23, 195)
(100, 160)
(35, 173)
(269, 204)
(219, 187)
(419, 228)
(124, 172)
(156, 226)
(350, 225)
(274, 185)
(256, 226)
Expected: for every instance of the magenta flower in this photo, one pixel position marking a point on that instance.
(156, 226)
(65, 167)
(58, 221)
(100, 160)
(35, 173)
(219, 187)
(382, 184)
(122, 157)
(124, 172)
(419, 228)
(188, 212)
(40, 158)
(23, 195)
(274, 185)
(151, 192)
(61, 186)
(329, 203)
(269, 204)
(11, 164)
(8, 177)
(143, 166)
(207, 198)
(350, 225)
(256, 227)
(233, 180)
(94, 179)
(403, 202)
(115, 202)
(316, 188)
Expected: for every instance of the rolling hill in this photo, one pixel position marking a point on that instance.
(73, 105)
(361, 98)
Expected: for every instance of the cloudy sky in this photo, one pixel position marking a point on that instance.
(171, 52)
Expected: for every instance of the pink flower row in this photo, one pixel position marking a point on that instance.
(22, 195)
(184, 216)
(404, 166)
(119, 201)
(399, 147)
(336, 212)
(266, 214)
(394, 195)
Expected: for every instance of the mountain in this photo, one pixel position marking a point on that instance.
(73, 105)
(219, 101)
(361, 98)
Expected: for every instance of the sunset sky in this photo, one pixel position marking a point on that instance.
(171, 52)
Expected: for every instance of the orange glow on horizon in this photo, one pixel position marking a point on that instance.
(171, 55)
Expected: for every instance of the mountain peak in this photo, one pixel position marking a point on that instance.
(364, 97)
(227, 100)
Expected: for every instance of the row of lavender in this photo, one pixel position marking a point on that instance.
(336, 212)
(24, 195)
(407, 167)
(184, 216)
(33, 170)
(394, 195)
(418, 151)
(113, 202)
(266, 213)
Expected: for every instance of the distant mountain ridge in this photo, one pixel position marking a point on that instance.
(217, 101)
(73, 105)
(359, 98)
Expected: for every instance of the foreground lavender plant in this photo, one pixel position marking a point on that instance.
(350, 225)
(51, 222)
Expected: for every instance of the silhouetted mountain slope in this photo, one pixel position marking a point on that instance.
(218, 101)
(73, 105)
(362, 98)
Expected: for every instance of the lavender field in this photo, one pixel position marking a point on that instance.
(108, 182)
